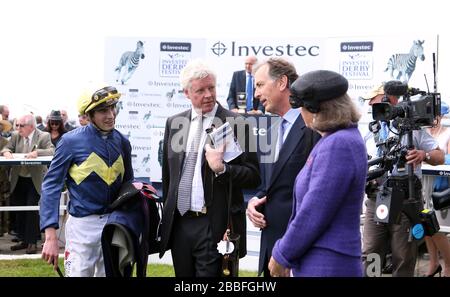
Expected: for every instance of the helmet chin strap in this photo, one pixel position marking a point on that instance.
(104, 132)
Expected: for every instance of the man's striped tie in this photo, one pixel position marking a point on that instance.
(185, 186)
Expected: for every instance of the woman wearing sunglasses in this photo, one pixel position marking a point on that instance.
(55, 126)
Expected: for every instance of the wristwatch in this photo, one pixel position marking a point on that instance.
(427, 156)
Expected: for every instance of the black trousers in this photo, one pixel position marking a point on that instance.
(266, 271)
(26, 222)
(194, 252)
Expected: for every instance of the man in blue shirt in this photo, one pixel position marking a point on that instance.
(243, 82)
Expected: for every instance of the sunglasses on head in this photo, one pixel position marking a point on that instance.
(103, 93)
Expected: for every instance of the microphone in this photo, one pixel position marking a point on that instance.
(395, 88)
(374, 161)
(210, 129)
(208, 132)
(375, 173)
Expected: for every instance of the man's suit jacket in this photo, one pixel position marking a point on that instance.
(44, 147)
(243, 171)
(278, 185)
(238, 84)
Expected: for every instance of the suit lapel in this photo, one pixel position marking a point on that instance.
(181, 155)
(293, 139)
(34, 141)
(243, 80)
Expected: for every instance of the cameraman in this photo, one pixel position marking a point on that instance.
(377, 235)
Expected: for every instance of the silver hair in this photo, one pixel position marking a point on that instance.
(30, 120)
(195, 69)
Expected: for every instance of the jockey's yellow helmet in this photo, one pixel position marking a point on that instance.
(101, 96)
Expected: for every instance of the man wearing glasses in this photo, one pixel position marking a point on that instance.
(93, 161)
(26, 180)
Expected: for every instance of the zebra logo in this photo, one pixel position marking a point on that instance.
(145, 160)
(405, 64)
(129, 62)
(169, 95)
(147, 115)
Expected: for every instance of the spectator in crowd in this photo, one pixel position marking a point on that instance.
(39, 124)
(83, 119)
(4, 112)
(94, 162)
(15, 125)
(243, 82)
(5, 126)
(26, 180)
(438, 244)
(376, 236)
(195, 183)
(65, 118)
(271, 208)
(323, 238)
(55, 126)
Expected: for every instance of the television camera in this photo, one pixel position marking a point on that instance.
(400, 192)
(418, 108)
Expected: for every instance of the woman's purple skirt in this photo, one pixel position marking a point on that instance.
(319, 262)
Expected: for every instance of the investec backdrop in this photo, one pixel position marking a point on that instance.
(153, 92)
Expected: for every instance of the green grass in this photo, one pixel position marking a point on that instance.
(38, 268)
(26, 268)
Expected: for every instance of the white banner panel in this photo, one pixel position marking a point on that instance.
(146, 72)
(228, 55)
(368, 61)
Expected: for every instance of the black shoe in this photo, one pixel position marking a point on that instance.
(31, 249)
(16, 239)
(13, 233)
(438, 270)
(19, 246)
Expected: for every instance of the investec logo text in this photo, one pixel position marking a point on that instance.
(219, 49)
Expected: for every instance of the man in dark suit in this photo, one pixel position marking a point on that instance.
(65, 118)
(196, 179)
(243, 82)
(39, 124)
(26, 181)
(271, 208)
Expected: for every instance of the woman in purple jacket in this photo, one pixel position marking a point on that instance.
(323, 237)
